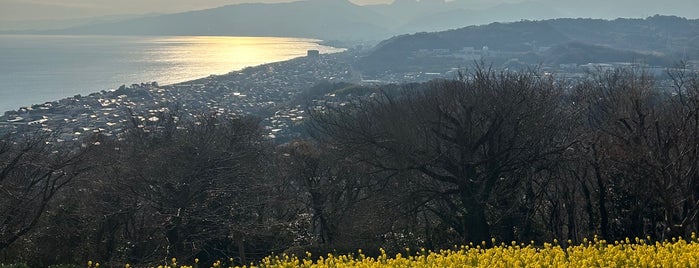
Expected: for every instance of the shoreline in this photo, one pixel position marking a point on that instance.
(24, 89)
(266, 91)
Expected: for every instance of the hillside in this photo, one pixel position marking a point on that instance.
(657, 39)
(578, 53)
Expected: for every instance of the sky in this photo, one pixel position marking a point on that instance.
(24, 10)
(64, 9)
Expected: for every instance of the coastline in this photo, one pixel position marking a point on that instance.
(265, 91)
(32, 74)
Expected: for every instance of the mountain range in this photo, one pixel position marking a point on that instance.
(343, 20)
(657, 40)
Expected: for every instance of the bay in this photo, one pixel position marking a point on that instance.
(39, 68)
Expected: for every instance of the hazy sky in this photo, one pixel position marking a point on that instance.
(59, 9)
(12, 10)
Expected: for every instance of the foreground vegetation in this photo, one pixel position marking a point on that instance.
(514, 156)
(593, 253)
(597, 253)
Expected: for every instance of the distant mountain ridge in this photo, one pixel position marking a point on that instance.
(311, 18)
(343, 20)
(657, 39)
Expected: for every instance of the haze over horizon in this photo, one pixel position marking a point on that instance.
(31, 10)
(72, 9)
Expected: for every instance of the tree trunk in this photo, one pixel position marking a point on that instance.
(588, 207)
(602, 203)
(475, 223)
(241, 249)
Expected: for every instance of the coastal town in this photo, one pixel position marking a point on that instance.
(263, 91)
(271, 92)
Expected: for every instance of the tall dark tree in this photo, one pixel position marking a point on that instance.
(470, 138)
(640, 149)
(346, 208)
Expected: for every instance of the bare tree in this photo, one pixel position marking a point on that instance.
(32, 172)
(640, 148)
(332, 186)
(469, 138)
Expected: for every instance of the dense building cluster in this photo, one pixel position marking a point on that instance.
(263, 91)
(271, 92)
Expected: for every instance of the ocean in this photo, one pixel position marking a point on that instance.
(39, 68)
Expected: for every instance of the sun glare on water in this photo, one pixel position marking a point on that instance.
(218, 55)
(40, 68)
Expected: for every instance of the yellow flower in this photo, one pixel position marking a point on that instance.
(592, 252)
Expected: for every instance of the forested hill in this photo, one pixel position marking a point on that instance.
(669, 37)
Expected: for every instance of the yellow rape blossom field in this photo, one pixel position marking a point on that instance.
(677, 252)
